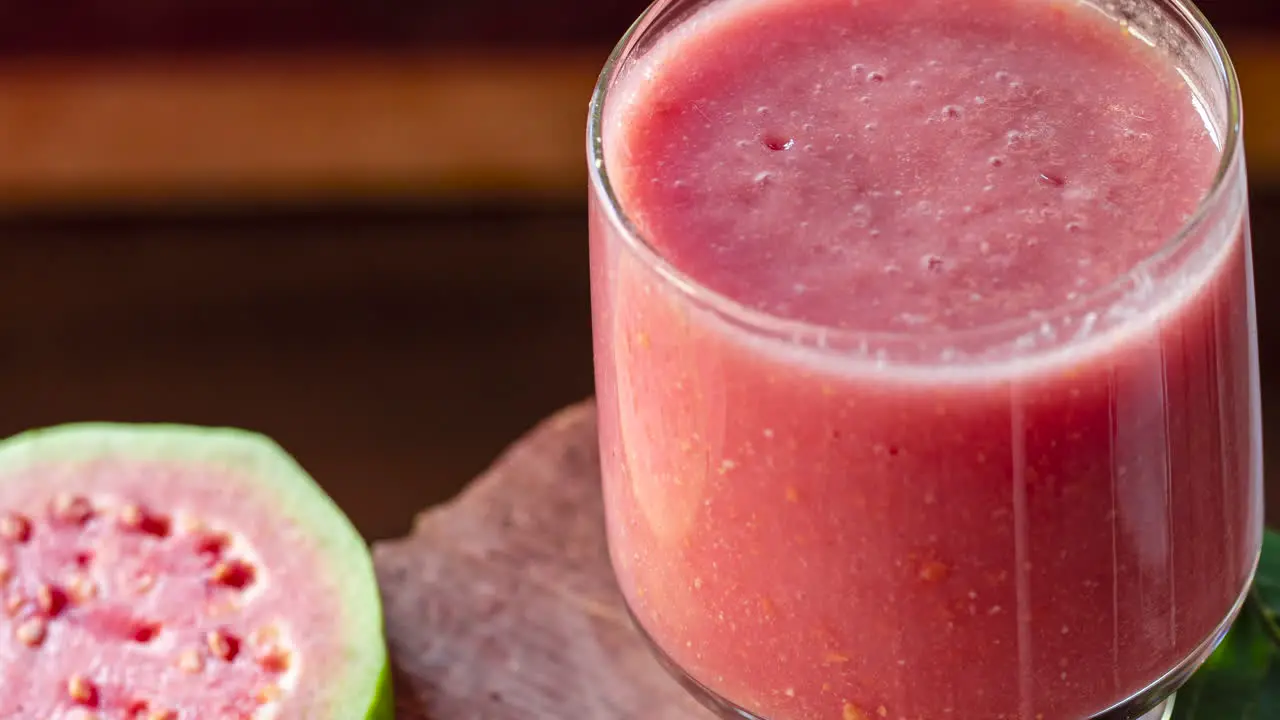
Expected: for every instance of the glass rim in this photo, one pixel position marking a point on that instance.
(822, 337)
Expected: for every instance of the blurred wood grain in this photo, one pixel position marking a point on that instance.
(297, 127)
(276, 127)
(395, 352)
(104, 28)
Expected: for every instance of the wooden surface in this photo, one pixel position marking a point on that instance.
(105, 27)
(280, 127)
(284, 128)
(502, 605)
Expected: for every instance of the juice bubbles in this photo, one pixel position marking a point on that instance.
(927, 380)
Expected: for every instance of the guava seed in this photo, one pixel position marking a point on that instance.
(82, 588)
(13, 603)
(190, 524)
(234, 574)
(269, 694)
(211, 546)
(189, 661)
(50, 600)
(136, 518)
(264, 636)
(131, 516)
(157, 526)
(220, 608)
(31, 632)
(82, 691)
(274, 659)
(145, 632)
(142, 710)
(15, 528)
(71, 509)
(144, 582)
(6, 569)
(223, 645)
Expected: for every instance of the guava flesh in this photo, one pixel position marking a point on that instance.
(164, 572)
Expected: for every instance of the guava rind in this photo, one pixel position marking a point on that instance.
(364, 689)
(383, 706)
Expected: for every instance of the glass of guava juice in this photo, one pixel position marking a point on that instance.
(925, 353)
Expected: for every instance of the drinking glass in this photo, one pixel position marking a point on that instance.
(812, 522)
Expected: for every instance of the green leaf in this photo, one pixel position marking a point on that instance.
(1241, 680)
(1266, 585)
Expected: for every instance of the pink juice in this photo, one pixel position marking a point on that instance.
(993, 459)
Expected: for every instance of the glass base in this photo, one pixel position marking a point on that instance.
(1153, 703)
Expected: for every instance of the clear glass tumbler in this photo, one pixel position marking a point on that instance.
(816, 522)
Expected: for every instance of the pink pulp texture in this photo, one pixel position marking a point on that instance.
(158, 591)
(1037, 538)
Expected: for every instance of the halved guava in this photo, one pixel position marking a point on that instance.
(170, 572)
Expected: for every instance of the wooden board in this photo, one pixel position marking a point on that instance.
(230, 130)
(501, 605)
(340, 127)
(120, 27)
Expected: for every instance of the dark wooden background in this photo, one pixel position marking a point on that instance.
(395, 352)
(149, 26)
(394, 343)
